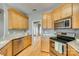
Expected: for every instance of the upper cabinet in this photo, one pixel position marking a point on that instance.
(75, 17)
(56, 13)
(17, 20)
(44, 21)
(47, 21)
(65, 16)
(66, 10)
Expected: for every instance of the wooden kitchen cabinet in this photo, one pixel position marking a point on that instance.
(27, 41)
(62, 11)
(44, 21)
(17, 20)
(47, 21)
(21, 43)
(45, 44)
(50, 22)
(6, 50)
(17, 45)
(66, 10)
(57, 13)
(52, 47)
(72, 51)
(75, 17)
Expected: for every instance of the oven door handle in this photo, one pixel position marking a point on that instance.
(62, 49)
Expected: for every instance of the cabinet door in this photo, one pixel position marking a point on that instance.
(66, 10)
(50, 23)
(17, 20)
(75, 17)
(7, 50)
(17, 45)
(57, 13)
(72, 51)
(44, 21)
(27, 41)
(45, 44)
(25, 23)
(10, 19)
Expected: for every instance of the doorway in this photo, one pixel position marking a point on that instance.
(36, 32)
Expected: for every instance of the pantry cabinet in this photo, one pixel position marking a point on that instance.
(6, 50)
(75, 17)
(72, 51)
(66, 10)
(47, 21)
(17, 20)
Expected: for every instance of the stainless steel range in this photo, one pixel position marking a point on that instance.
(60, 44)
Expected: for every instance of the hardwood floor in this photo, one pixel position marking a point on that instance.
(31, 52)
(34, 49)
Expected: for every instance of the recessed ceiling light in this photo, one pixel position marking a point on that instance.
(34, 10)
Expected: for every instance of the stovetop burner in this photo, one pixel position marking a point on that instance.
(63, 39)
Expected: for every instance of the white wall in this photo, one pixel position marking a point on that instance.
(32, 18)
(1, 25)
(1, 22)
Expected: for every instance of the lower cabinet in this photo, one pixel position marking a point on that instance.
(27, 41)
(45, 44)
(17, 45)
(20, 43)
(6, 50)
(72, 51)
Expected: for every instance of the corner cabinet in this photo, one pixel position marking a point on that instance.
(6, 50)
(75, 17)
(47, 21)
(17, 20)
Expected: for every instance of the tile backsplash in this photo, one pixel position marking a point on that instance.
(48, 32)
(70, 32)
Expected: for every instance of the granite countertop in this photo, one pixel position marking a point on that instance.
(8, 39)
(74, 44)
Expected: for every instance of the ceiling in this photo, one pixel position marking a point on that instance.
(27, 8)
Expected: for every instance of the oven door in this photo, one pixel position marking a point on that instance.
(64, 49)
(61, 49)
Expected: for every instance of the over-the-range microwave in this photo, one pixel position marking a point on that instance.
(64, 23)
